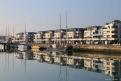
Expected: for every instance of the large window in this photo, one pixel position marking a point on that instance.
(114, 36)
(114, 26)
(114, 31)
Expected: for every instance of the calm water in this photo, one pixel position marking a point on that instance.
(27, 67)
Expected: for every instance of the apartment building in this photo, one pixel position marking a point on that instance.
(59, 34)
(28, 37)
(75, 35)
(112, 32)
(93, 34)
(39, 37)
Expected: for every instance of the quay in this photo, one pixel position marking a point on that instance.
(99, 48)
(8, 47)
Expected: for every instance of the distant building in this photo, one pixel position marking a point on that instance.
(2, 38)
(112, 32)
(93, 34)
(75, 35)
(60, 34)
(108, 34)
(28, 37)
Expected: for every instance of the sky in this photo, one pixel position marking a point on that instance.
(44, 14)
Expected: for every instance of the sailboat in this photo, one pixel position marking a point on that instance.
(68, 48)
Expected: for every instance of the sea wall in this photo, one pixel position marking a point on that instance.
(98, 48)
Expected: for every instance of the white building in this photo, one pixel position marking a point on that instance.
(112, 32)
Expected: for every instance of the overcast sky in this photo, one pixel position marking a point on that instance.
(43, 14)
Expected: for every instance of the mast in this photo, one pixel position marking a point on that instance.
(13, 31)
(25, 34)
(66, 15)
(60, 21)
(60, 29)
(8, 32)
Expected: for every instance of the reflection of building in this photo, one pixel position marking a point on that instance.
(56, 58)
(88, 63)
(25, 55)
(108, 66)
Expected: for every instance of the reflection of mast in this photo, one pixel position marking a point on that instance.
(25, 62)
(5, 60)
(25, 65)
(8, 60)
(66, 14)
(13, 61)
(60, 73)
(66, 69)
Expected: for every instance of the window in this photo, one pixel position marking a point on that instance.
(114, 36)
(108, 36)
(114, 31)
(114, 26)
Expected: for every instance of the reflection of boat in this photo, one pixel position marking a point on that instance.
(22, 47)
(25, 55)
(19, 56)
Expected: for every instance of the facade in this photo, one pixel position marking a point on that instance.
(28, 37)
(39, 37)
(60, 37)
(93, 34)
(112, 32)
(48, 36)
(75, 35)
(59, 34)
(3, 38)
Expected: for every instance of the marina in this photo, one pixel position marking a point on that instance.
(60, 40)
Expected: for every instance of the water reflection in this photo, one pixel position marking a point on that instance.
(109, 65)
